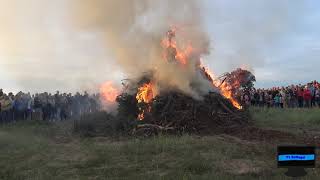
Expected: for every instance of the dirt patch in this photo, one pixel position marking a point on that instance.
(110, 141)
(236, 140)
(242, 166)
(255, 134)
(267, 135)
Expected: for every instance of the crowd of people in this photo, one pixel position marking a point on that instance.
(293, 96)
(54, 107)
(46, 106)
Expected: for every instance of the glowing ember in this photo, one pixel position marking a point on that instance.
(108, 92)
(141, 115)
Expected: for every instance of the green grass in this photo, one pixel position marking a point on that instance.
(293, 120)
(41, 151)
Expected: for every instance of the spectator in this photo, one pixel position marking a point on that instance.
(251, 97)
(11, 111)
(261, 98)
(300, 97)
(281, 100)
(293, 96)
(276, 100)
(5, 108)
(1, 104)
(247, 100)
(29, 103)
(37, 107)
(317, 96)
(256, 97)
(271, 102)
(64, 106)
(307, 97)
(312, 90)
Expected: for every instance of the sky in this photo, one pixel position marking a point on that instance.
(279, 39)
(40, 50)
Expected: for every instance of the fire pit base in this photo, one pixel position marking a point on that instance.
(175, 112)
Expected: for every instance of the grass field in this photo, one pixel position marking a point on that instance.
(41, 151)
(292, 120)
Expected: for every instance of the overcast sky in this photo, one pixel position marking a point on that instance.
(279, 40)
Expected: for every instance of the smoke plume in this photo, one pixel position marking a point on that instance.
(133, 31)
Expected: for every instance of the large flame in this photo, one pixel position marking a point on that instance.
(181, 54)
(227, 93)
(108, 92)
(145, 94)
(225, 89)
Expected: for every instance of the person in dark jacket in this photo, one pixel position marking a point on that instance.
(300, 97)
(318, 96)
(1, 96)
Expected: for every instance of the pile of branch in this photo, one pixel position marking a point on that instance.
(175, 112)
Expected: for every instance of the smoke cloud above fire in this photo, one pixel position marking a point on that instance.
(79, 44)
(133, 31)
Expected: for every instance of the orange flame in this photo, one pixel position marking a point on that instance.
(225, 90)
(108, 92)
(141, 115)
(227, 93)
(181, 54)
(208, 73)
(145, 95)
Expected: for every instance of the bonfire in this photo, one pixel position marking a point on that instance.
(211, 104)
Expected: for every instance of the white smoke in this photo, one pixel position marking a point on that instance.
(133, 31)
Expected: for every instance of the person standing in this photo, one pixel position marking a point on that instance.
(37, 106)
(256, 97)
(58, 105)
(12, 111)
(313, 93)
(29, 101)
(63, 107)
(265, 97)
(317, 96)
(271, 99)
(5, 108)
(300, 97)
(281, 101)
(261, 98)
(307, 97)
(1, 104)
(292, 96)
(252, 100)
(247, 100)
(277, 100)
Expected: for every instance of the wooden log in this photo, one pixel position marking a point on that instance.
(154, 126)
